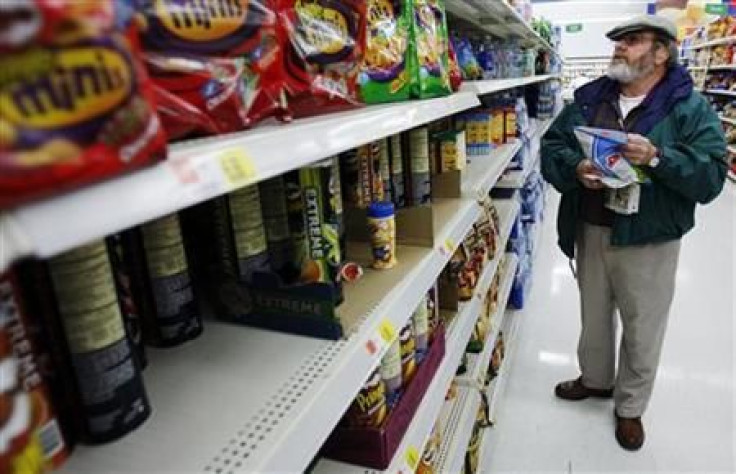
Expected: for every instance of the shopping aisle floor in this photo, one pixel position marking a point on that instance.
(690, 424)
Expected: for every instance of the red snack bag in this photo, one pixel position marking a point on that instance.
(15, 320)
(76, 103)
(221, 59)
(323, 54)
(198, 95)
(456, 76)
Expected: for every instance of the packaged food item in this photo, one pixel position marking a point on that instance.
(453, 151)
(215, 64)
(603, 148)
(249, 232)
(433, 311)
(382, 227)
(384, 168)
(420, 321)
(429, 29)
(77, 103)
(509, 112)
(419, 167)
(472, 456)
(361, 174)
(325, 43)
(20, 449)
(297, 224)
(161, 282)
(390, 63)
(369, 409)
(16, 325)
(408, 353)
(396, 164)
(469, 66)
(456, 76)
(112, 398)
(317, 183)
(276, 221)
(430, 457)
(198, 95)
(391, 372)
(129, 302)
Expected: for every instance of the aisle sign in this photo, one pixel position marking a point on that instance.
(720, 9)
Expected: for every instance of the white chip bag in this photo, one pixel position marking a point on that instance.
(603, 148)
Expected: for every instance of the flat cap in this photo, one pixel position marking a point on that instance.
(644, 22)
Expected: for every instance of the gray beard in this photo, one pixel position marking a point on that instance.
(622, 72)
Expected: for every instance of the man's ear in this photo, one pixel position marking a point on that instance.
(661, 55)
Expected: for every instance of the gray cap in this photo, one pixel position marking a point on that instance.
(642, 23)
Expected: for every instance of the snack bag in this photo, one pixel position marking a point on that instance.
(223, 62)
(76, 103)
(429, 30)
(324, 45)
(390, 64)
(456, 76)
(603, 148)
(467, 61)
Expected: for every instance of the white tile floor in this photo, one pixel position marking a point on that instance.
(690, 424)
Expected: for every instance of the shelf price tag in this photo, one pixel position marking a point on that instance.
(449, 245)
(238, 167)
(387, 331)
(412, 457)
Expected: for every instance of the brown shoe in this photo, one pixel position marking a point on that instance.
(575, 390)
(629, 432)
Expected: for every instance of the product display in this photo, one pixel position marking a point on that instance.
(246, 236)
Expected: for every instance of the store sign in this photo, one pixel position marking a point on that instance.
(574, 28)
(716, 9)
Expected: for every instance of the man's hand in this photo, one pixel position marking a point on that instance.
(589, 175)
(639, 150)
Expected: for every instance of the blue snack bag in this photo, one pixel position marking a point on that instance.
(603, 148)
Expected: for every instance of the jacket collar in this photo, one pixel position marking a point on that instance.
(676, 85)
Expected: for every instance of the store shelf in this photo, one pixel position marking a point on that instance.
(255, 415)
(198, 170)
(727, 120)
(697, 68)
(715, 42)
(464, 409)
(497, 18)
(458, 335)
(721, 92)
(484, 171)
(497, 85)
(515, 179)
(478, 363)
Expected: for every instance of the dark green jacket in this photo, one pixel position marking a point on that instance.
(688, 133)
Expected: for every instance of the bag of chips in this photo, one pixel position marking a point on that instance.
(603, 148)
(429, 30)
(76, 103)
(323, 54)
(390, 64)
(222, 61)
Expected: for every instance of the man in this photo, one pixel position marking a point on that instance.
(628, 261)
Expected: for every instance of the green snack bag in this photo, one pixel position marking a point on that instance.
(429, 30)
(390, 63)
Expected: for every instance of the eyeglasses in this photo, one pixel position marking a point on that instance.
(633, 39)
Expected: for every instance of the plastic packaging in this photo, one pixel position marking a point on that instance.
(323, 53)
(430, 34)
(391, 372)
(390, 65)
(76, 103)
(603, 148)
(420, 320)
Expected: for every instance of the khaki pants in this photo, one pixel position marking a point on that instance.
(639, 281)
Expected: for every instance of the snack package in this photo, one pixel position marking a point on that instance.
(468, 63)
(429, 30)
(603, 148)
(390, 63)
(369, 408)
(224, 63)
(324, 45)
(76, 102)
(456, 76)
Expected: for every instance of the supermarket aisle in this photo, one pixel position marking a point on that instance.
(690, 424)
